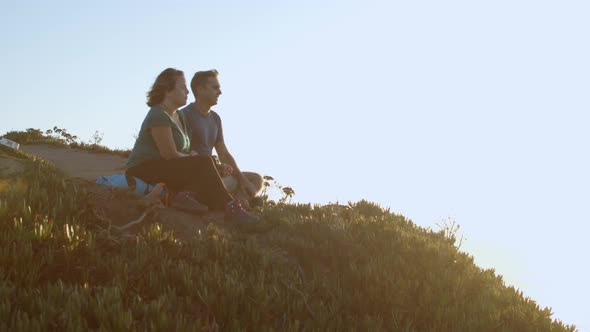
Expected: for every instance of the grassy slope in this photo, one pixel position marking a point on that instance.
(305, 268)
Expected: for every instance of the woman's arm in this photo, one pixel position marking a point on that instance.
(165, 143)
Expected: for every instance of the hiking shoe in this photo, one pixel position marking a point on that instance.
(234, 212)
(244, 204)
(186, 202)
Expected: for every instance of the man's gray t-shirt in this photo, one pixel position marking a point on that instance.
(205, 130)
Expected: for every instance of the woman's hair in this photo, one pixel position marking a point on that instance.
(165, 82)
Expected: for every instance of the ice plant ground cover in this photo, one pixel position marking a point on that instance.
(357, 267)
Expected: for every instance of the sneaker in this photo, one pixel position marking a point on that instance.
(186, 202)
(234, 212)
(244, 204)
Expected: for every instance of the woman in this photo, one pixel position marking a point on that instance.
(161, 151)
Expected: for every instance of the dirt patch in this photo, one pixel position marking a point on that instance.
(78, 163)
(125, 213)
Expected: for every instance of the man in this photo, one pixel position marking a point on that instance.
(206, 133)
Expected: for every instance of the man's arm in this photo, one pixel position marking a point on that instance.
(227, 158)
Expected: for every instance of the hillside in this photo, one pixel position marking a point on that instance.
(72, 258)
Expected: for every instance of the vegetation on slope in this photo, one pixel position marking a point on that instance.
(61, 137)
(344, 268)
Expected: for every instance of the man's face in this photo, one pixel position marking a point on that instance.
(179, 94)
(210, 91)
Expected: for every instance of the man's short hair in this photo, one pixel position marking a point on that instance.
(201, 78)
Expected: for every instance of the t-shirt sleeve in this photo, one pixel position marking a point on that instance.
(219, 138)
(157, 119)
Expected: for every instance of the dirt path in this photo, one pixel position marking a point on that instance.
(78, 163)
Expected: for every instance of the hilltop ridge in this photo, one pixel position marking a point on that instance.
(67, 264)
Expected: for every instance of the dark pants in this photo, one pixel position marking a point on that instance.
(197, 174)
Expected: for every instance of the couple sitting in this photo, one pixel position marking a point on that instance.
(175, 147)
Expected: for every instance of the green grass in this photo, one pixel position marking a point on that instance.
(321, 268)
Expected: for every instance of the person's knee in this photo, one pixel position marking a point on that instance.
(231, 183)
(256, 179)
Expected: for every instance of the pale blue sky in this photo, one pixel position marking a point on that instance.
(470, 110)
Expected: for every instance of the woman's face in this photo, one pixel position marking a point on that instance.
(178, 96)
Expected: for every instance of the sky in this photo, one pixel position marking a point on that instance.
(467, 111)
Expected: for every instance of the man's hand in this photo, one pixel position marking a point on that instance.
(193, 153)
